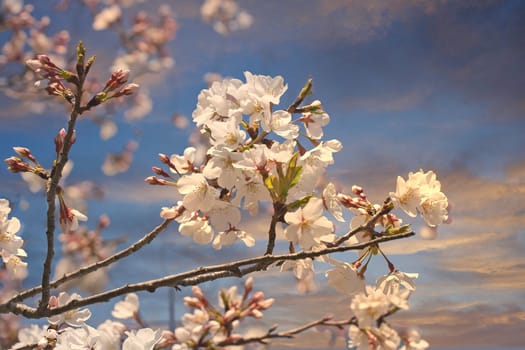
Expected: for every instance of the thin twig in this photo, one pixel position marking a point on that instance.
(146, 239)
(52, 184)
(263, 339)
(367, 226)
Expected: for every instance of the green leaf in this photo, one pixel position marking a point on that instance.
(301, 202)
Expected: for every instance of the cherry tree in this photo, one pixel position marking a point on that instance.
(254, 158)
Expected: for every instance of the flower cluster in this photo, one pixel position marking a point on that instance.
(210, 327)
(10, 244)
(421, 193)
(69, 330)
(206, 327)
(245, 166)
(372, 306)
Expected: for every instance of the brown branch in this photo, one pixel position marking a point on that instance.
(193, 277)
(263, 339)
(51, 191)
(278, 214)
(146, 239)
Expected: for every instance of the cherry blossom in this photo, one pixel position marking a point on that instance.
(308, 226)
(128, 308)
(331, 203)
(143, 339)
(369, 306)
(345, 278)
(422, 193)
(230, 236)
(75, 317)
(198, 194)
(185, 163)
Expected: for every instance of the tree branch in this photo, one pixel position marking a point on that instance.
(146, 239)
(51, 192)
(263, 339)
(192, 277)
(368, 226)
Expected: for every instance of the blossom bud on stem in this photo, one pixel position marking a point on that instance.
(153, 180)
(159, 171)
(17, 165)
(25, 152)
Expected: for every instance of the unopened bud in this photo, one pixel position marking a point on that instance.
(357, 189)
(346, 200)
(118, 78)
(314, 107)
(127, 90)
(104, 221)
(248, 285)
(59, 140)
(159, 171)
(258, 296)
(153, 180)
(17, 165)
(24, 152)
(53, 302)
(164, 158)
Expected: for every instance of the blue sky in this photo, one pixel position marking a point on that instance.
(434, 85)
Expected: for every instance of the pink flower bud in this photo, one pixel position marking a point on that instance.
(192, 302)
(59, 140)
(24, 152)
(257, 297)
(159, 171)
(153, 180)
(53, 302)
(346, 200)
(265, 304)
(357, 189)
(118, 78)
(198, 292)
(104, 221)
(164, 159)
(17, 165)
(248, 285)
(128, 90)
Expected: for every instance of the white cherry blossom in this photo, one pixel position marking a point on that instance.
(127, 308)
(280, 122)
(421, 193)
(230, 236)
(143, 339)
(252, 189)
(331, 203)
(78, 339)
(74, 317)
(313, 123)
(308, 226)
(369, 306)
(184, 163)
(198, 194)
(223, 215)
(199, 229)
(344, 278)
(221, 166)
